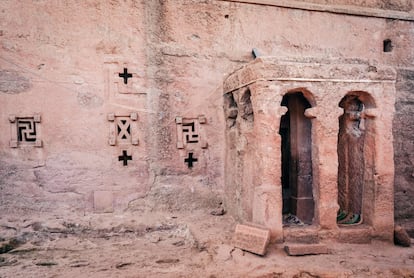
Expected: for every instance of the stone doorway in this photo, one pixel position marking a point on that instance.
(296, 150)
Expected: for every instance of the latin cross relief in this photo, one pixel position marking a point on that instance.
(25, 131)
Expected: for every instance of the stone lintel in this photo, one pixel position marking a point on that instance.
(307, 70)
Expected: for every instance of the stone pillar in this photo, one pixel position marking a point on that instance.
(267, 201)
(267, 116)
(325, 159)
(383, 220)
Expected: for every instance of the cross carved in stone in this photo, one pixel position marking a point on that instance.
(190, 160)
(124, 157)
(125, 75)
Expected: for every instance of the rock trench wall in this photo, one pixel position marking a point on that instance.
(61, 60)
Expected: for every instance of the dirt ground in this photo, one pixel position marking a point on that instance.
(192, 244)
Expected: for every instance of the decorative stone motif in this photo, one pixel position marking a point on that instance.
(124, 80)
(190, 160)
(25, 131)
(124, 157)
(190, 132)
(123, 129)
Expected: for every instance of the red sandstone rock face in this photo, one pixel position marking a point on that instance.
(322, 142)
(404, 146)
(66, 56)
(399, 5)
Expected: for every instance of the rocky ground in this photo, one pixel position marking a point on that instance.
(192, 244)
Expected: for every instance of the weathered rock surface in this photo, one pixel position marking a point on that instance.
(62, 60)
(401, 237)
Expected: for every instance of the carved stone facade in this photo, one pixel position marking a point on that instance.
(315, 145)
(120, 87)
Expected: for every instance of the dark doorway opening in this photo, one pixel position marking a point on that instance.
(296, 148)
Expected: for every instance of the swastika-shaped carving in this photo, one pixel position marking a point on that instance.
(190, 131)
(25, 131)
(123, 129)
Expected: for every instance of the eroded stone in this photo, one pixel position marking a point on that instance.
(252, 239)
(13, 82)
(103, 201)
(306, 249)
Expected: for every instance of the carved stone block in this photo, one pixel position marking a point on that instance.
(251, 238)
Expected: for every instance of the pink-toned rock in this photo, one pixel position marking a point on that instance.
(286, 135)
(306, 249)
(267, 211)
(251, 238)
(103, 201)
(401, 237)
(119, 95)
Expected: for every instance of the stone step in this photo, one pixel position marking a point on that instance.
(296, 249)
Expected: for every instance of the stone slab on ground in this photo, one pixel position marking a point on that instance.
(306, 249)
(251, 238)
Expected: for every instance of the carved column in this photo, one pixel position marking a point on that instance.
(325, 160)
(267, 201)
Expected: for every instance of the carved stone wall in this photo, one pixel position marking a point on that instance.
(74, 63)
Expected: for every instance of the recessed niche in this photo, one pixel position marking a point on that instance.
(356, 148)
(387, 45)
(297, 180)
